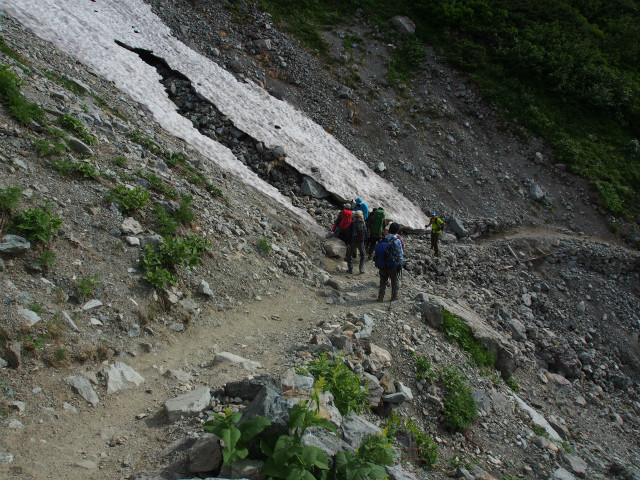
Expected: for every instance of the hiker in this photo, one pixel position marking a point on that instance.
(342, 223)
(437, 226)
(357, 235)
(376, 227)
(358, 204)
(388, 259)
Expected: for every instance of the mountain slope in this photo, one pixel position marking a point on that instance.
(264, 306)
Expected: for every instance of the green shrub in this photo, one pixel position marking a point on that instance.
(72, 124)
(427, 450)
(377, 449)
(19, 107)
(335, 376)
(87, 170)
(9, 199)
(185, 214)
(48, 146)
(87, 286)
(159, 264)
(47, 259)
(130, 199)
(119, 161)
(512, 384)
(9, 52)
(458, 332)
(424, 369)
(65, 82)
(460, 409)
(165, 224)
(214, 191)
(407, 60)
(264, 244)
(64, 166)
(39, 224)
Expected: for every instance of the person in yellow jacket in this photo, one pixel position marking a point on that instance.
(437, 225)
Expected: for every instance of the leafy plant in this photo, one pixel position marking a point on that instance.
(65, 82)
(512, 384)
(87, 286)
(460, 409)
(19, 107)
(185, 214)
(48, 146)
(348, 394)
(424, 369)
(426, 449)
(87, 170)
(47, 259)
(119, 161)
(72, 124)
(458, 332)
(159, 264)
(288, 458)
(9, 201)
(39, 224)
(35, 307)
(130, 199)
(166, 225)
(64, 166)
(264, 244)
(235, 438)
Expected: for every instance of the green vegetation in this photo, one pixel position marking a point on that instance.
(66, 167)
(264, 245)
(512, 384)
(567, 70)
(87, 286)
(424, 369)
(65, 82)
(426, 449)
(9, 52)
(38, 224)
(47, 260)
(458, 332)
(119, 161)
(9, 201)
(130, 199)
(160, 263)
(335, 376)
(49, 146)
(19, 107)
(460, 408)
(75, 126)
(167, 223)
(235, 438)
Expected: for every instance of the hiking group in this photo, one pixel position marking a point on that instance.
(371, 232)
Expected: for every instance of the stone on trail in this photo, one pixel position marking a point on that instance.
(130, 226)
(91, 304)
(324, 440)
(335, 248)
(396, 472)
(226, 357)
(188, 404)
(243, 469)
(538, 419)
(431, 313)
(14, 354)
(83, 387)
(121, 376)
(576, 465)
(205, 454)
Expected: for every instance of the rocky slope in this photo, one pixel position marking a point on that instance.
(558, 307)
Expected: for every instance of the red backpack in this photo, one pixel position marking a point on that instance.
(345, 219)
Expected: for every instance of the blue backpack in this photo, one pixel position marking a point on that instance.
(384, 256)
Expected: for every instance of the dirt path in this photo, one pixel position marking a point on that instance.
(126, 432)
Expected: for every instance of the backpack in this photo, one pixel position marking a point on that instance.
(377, 224)
(359, 230)
(384, 255)
(345, 219)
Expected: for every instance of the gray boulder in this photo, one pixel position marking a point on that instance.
(312, 188)
(14, 245)
(431, 313)
(205, 454)
(83, 387)
(188, 404)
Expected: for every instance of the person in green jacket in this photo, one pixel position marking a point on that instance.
(437, 225)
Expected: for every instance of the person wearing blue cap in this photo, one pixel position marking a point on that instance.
(358, 204)
(437, 226)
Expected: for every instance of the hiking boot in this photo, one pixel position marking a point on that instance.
(380, 299)
(349, 271)
(394, 298)
(361, 272)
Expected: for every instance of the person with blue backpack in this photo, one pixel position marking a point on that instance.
(388, 258)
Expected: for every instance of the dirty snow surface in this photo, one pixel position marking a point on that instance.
(88, 31)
